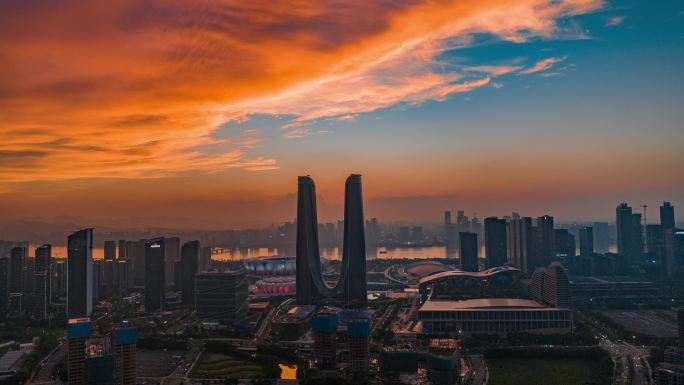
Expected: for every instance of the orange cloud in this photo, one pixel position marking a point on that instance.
(543, 65)
(127, 89)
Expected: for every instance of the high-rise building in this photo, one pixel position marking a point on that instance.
(586, 238)
(537, 284)
(155, 284)
(557, 286)
(135, 252)
(674, 251)
(358, 342)
(190, 252)
(41, 286)
(417, 234)
(17, 275)
(125, 341)
(109, 270)
(629, 234)
(655, 244)
(447, 222)
(495, 241)
(667, 217)
(122, 278)
(98, 365)
(221, 296)
(353, 269)
(404, 234)
(109, 250)
(205, 258)
(4, 283)
(545, 243)
(59, 279)
(602, 238)
(80, 274)
(564, 244)
(521, 250)
(78, 332)
(351, 286)
(324, 330)
(468, 251)
(122, 249)
(171, 256)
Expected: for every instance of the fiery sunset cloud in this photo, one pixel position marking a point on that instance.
(129, 89)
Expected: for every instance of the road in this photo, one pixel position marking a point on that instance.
(478, 370)
(46, 367)
(180, 374)
(625, 351)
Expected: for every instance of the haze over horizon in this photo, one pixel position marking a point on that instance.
(202, 114)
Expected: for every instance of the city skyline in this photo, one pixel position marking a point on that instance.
(196, 112)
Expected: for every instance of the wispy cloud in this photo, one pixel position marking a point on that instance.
(615, 21)
(159, 78)
(543, 65)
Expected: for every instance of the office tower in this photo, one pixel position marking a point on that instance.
(125, 341)
(17, 275)
(545, 242)
(629, 234)
(4, 283)
(324, 329)
(358, 342)
(41, 286)
(404, 234)
(109, 270)
(221, 296)
(515, 216)
(310, 285)
(98, 365)
(447, 222)
(468, 251)
(586, 236)
(602, 238)
(495, 241)
(372, 231)
(171, 255)
(353, 269)
(122, 249)
(178, 276)
(205, 258)
(155, 284)
(190, 253)
(99, 290)
(667, 218)
(656, 244)
(557, 286)
(674, 248)
(417, 234)
(122, 278)
(351, 286)
(78, 332)
(521, 244)
(80, 274)
(60, 280)
(109, 250)
(135, 252)
(564, 244)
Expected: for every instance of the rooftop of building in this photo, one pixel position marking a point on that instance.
(482, 303)
(588, 280)
(478, 274)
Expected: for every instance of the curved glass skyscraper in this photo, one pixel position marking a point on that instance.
(351, 287)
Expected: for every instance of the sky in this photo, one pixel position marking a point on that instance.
(202, 114)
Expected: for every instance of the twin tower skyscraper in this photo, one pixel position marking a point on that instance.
(350, 289)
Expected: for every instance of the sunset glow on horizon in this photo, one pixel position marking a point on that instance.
(202, 114)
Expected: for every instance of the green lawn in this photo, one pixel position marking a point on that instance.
(543, 371)
(216, 365)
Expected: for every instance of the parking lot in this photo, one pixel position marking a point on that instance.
(644, 322)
